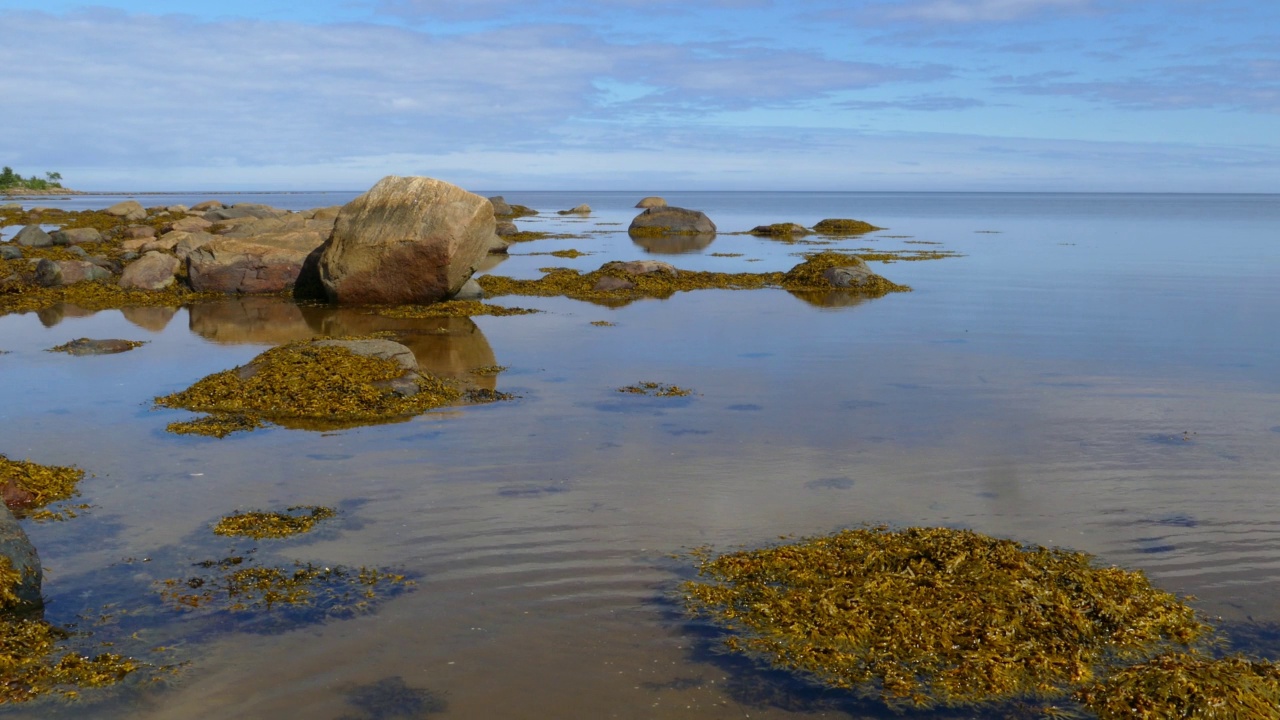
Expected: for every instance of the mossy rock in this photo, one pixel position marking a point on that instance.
(780, 230)
(844, 226)
(937, 616)
(319, 384)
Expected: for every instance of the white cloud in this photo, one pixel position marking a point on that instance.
(968, 11)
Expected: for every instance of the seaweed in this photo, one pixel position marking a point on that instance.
(28, 486)
(259, 524)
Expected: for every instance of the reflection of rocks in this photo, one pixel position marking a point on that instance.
(490, 261)
(55, 314)
(833, 298)
(449, 347)
(673, 244)
(154, 319)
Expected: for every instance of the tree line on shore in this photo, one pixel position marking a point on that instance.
(12, 180)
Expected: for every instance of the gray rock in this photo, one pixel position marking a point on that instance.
(504, 228)
(10, 252)
(642, 267)
(153, 271)
(130, 210)
(651, 202)
(583, 209)
(385, 349)
(406, 240)
(671, 221)
(500, 206)
(138, 232)
(57, 273)
(33, 236)
(77, 236)
(854, 275)
(471, 290)
(17, 550)
(242, 210)
(78, 252)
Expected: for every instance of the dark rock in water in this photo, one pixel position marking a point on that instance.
(33, 236)
(583, 209)
(18, 552)
(504, 228)
(844, 226)
(784, 230)
(55, 273)
(651, 202)
(85, 346)
(671, 221)
(500, 206)
(407, 240)
(76, 236)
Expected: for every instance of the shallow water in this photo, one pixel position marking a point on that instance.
(1096, 372)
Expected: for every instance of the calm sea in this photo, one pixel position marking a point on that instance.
(1097, 372)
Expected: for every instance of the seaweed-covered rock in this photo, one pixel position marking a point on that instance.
(20, 571)
(9, 252)
(406, 240)
(318, 384)
(783, 230)
(844, 226)
(88, 346)
(669, 220)
(153, 271)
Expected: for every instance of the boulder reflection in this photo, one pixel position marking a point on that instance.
(447, 347)
(673, 244)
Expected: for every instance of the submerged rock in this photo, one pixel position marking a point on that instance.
(582, 209)
(86, 346)
(407, 240)
(21, 574)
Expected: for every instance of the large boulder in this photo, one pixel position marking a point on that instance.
(130, 210)
(670, 220)
(267, 263)
(20, 555)
(406, 240)
(77, 236)
(152, 271)
(33, 236)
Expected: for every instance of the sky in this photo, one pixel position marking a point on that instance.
(646, 95)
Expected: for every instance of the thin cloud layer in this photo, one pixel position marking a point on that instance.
(926, 94)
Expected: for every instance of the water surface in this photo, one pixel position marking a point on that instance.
(1096, 372)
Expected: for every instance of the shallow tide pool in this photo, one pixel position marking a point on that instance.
(1095, 372)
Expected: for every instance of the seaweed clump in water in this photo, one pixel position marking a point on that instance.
(27, 486)
(616, 284)
(844, 226)
(655, 389)
(452, 308)
(30, 667)
(319, 385)
(936, 616)
(259, 525)
(1182, 685)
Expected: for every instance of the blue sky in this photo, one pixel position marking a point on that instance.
(968, 95)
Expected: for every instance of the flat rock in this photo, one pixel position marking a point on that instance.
(77, 236)
(193, 223)
(87, 346)
(642, 267)
(582, 209)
